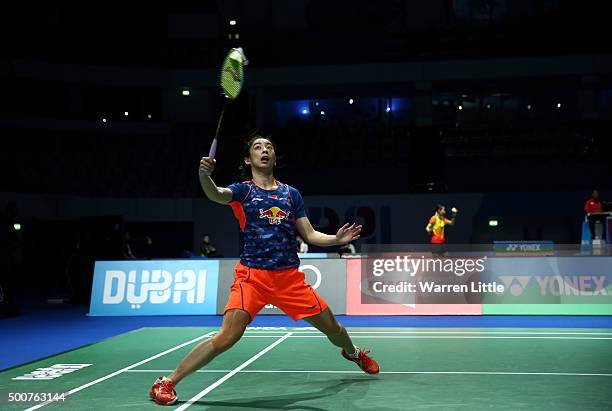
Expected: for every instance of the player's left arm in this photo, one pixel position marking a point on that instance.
(345, 234)
(430, 225)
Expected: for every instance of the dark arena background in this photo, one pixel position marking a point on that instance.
(461, 134)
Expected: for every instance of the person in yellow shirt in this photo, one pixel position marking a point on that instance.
(435, 226)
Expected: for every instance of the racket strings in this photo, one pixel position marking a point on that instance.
(232, 73)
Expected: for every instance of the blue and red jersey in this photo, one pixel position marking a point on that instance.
(267, 219)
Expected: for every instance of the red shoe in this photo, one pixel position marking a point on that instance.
(162, 392)
(364, 361)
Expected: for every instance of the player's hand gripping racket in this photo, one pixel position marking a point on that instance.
(231, 80)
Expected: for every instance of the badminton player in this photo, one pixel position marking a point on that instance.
(436, 224)
(270, 214)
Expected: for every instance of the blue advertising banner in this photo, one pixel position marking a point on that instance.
(155, 287)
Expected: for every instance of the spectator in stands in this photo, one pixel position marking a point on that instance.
(148, 247)
(594, 213)
(126, 247)
(207, 249)
(347, 250)
(302, 246)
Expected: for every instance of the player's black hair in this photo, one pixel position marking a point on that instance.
(438, 208)
(243, 168)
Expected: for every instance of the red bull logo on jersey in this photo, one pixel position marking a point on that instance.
(274, 215)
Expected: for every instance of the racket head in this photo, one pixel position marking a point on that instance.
(232, 73)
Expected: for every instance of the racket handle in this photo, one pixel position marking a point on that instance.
(213, 151)
(213, 148)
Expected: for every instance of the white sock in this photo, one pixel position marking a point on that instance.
(356, 353)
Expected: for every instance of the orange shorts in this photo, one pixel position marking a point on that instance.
(253, 289)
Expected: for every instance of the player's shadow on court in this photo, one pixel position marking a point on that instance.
(288, 401)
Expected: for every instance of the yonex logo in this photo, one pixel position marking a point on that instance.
(518, 248)
(515, 283)
(50, 373)
(523, 247)
(154, 287)
(557, 285)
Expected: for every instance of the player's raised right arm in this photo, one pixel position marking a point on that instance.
(219, 195)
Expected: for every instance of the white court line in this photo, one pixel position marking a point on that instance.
(270, 336)
(231, 373)
(569, 374)
(129, 367)
(437, 332)
(450, 337)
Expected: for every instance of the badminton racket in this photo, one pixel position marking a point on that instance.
(231, 80)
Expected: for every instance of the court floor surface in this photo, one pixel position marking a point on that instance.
(296, 368)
